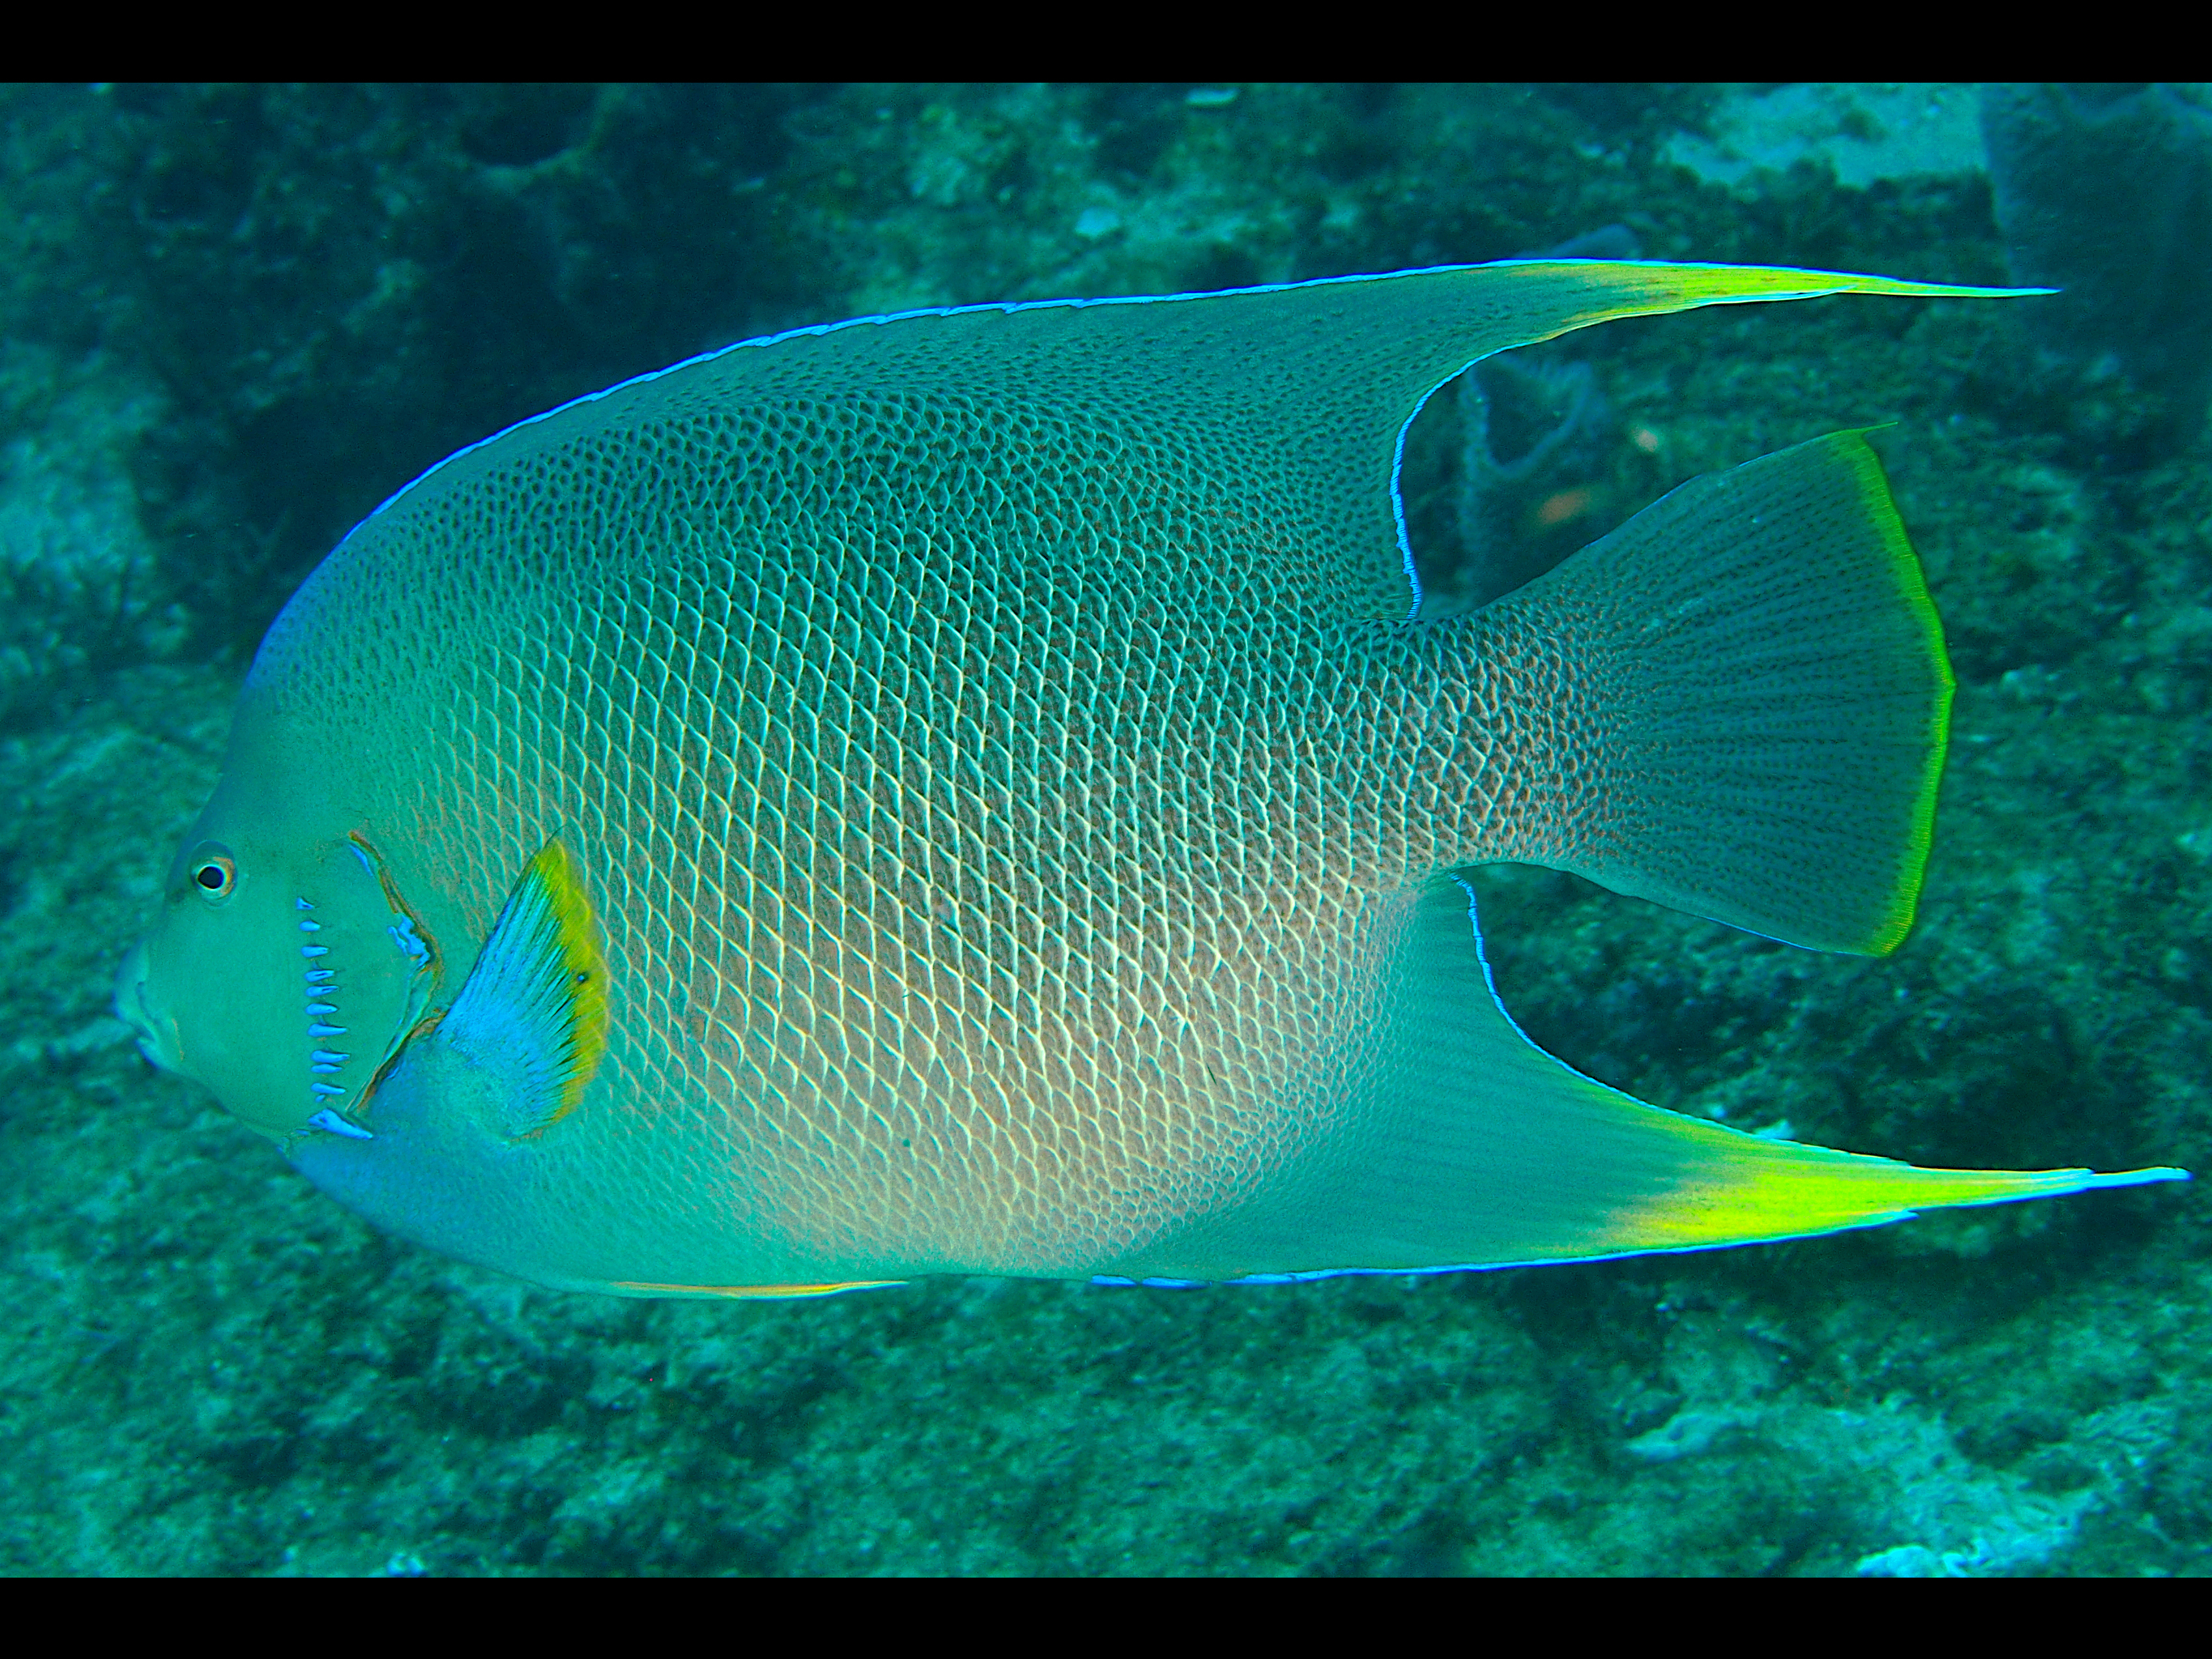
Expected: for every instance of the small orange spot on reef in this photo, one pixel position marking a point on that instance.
(1567, 504)
(1645, 440)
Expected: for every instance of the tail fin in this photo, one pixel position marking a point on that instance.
(1755, 704)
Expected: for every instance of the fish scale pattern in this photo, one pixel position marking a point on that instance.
(988, 856)
(1011, 797)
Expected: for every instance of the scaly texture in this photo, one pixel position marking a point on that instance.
(1001, 787)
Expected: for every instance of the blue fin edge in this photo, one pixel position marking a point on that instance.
(2087, 1181)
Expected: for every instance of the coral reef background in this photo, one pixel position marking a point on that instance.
(231, 319)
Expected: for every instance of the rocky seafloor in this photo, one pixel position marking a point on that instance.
(235, 319)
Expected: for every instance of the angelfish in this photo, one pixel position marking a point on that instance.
(972, 792)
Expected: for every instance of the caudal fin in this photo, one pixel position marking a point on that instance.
(1753, 702)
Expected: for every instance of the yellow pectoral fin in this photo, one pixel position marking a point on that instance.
(533, 1014)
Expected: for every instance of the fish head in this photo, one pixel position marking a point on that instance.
(285, 969)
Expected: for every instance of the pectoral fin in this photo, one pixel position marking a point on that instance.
(532, 1016)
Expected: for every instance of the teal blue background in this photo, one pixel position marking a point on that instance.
(231, 319)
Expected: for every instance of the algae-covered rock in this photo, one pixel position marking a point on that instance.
(2104, 192)
(237, 318)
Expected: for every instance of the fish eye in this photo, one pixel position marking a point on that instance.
(215, 872)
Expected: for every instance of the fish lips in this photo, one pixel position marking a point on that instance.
(156, 1034)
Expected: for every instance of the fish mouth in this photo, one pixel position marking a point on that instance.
(156, 1035)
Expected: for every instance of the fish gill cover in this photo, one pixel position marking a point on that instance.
(235, 318)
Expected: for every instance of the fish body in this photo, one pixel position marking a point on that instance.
(971, 792)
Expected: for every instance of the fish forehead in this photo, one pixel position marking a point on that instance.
(960, 831)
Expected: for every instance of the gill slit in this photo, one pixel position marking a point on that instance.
(416, 942)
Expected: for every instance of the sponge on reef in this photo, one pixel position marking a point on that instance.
(2104, 190)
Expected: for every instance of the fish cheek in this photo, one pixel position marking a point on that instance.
(222, 999)
(433, 1172)
(287, 990)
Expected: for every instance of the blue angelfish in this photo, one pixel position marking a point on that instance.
(970, 793)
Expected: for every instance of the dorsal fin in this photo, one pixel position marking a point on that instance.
(1310, 386)
(535, 1005)
(1297, 395)
(1348, 364)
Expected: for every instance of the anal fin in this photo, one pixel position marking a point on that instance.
(1465, 1145)
(748, 1292)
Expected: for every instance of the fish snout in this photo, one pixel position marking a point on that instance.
(134, 1006)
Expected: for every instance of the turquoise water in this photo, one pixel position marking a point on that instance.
(236, 319)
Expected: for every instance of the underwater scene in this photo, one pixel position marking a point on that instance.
(929, 947)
